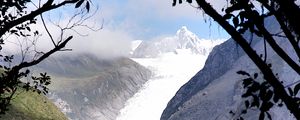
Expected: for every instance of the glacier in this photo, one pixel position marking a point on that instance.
(173, 60)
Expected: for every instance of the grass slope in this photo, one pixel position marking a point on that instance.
(32, 106)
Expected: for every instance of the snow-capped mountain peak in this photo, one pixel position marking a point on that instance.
(183, 29)
(134, 45)
(184, 32)
(186, 38)
(182, 40)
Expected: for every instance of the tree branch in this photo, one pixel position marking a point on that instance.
(46, 7)
(49, 34)
(283, 26)
(268, 74)
(277, 48)
(292, 12)
(269, 38)
(44, 56)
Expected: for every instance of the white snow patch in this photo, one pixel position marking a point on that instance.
(171, 72)
(61, 104)
(86, 99)
(135, 44)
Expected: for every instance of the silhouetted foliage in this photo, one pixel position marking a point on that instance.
(16, 20)
(242, 15)
(259, 94)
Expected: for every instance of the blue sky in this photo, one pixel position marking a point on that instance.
(125, 21)
(147, 19)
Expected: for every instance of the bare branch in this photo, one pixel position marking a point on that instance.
(49, 34)
(46, 7)
(44, 56)
(283, 26)
(264, 68)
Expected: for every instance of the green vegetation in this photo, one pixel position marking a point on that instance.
(27, 105)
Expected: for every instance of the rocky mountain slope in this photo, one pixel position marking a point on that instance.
(88, 88)
(216, 89)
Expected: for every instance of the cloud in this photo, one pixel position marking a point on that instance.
(144, 19)
(105, 43)
(162, 9)
(124, 21)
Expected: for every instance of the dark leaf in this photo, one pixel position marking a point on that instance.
(269, 95)
(296, 89)
(242, 15)
(243, 73)
(231, 112)
(233, 8)
(79, 3)
(275, 98)
(6, 68)
(247, 104)
(247, 94)
(255, 86)
(247, 82)
(13, 31)
(255, 102)
(17, 34)
(87, 6)
(235, 21)
(266, 106)
(261, 116)
(244, 111)
(227, 16)
(296, 99)
(255, 75)
(291, 91)
(28, 28)
(27, 71)
(174, 3)
(262, 94)
(270, 65)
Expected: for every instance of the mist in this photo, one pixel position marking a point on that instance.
(104, 43)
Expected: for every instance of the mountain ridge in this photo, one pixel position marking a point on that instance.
(183, 39)
(86, 87)
(220, 92)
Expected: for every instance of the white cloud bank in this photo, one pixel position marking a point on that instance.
(105, 43)
(122, 23)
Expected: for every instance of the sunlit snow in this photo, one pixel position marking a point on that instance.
(171, 71)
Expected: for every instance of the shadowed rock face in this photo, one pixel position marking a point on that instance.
(216, 89)
(100, 90)
(217, 63)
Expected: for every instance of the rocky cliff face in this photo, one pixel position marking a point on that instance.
(88, 88)
(216, 89)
